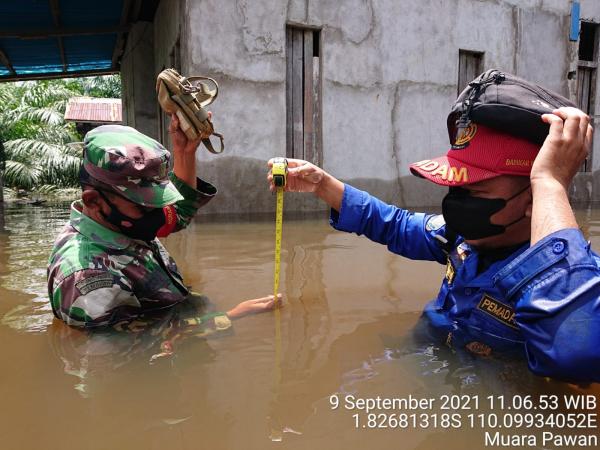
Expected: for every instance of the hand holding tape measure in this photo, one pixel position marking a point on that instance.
(301, 175)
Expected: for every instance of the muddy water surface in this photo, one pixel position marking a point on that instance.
(346, 332)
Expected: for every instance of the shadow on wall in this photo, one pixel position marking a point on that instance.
(242, 188)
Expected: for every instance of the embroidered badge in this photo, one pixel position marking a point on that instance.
(90, 284)
(464, 136)
(435, 223)
(498, 311)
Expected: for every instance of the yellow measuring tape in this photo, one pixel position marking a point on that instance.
(279, 172)
(278, 232)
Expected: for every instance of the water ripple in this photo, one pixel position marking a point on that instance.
(26, 241)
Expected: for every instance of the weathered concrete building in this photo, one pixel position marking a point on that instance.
(362, 87)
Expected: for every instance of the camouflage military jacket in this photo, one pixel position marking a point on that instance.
(97, 276)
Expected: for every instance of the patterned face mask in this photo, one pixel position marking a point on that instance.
(470, 216)
(143, 229)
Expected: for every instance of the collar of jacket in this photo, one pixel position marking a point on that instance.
(96, 232)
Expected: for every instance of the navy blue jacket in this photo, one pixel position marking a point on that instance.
(543, 299)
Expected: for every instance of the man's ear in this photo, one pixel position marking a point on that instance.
(91, 200)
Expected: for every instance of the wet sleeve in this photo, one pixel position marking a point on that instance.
(193, 199)
(406, 233)
(93, 298)
(557, 286)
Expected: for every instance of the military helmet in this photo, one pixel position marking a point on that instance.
(121, 159)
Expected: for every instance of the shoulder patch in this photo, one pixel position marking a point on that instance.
(434, 223)
(90, 284)
(498, 311)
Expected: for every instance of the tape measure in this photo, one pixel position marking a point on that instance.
(279, 171)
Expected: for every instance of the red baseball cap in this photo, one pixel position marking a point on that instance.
(479, 153)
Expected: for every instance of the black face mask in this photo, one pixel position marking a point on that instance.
(470, 216)
(144, 228)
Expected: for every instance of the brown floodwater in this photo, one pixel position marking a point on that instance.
(345, 331)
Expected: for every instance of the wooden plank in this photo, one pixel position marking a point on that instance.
(309, 152)
(53, 75)
(583, 89)
(55, 8)
(120, 43)
(592, 112)
(6, 62)
(590, 64)
(461, 72)
(579, 86)
(136, 9)
(297, 93)
(317, 140)
(61, 51)
(46, 33)
(585, 95)
(585, 78)
(468, 68)
(289, 128)
(471, 68)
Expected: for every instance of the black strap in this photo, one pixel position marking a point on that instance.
(209, 145)
(451, 237)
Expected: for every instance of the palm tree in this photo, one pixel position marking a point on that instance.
(40, 149)
(107, 86)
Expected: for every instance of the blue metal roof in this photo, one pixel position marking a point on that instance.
(50, 38)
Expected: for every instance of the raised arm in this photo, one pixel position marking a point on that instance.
(559, 159)
(306, 177)
(196, 192)
(413, 235)
(558, 277)
(184, 153)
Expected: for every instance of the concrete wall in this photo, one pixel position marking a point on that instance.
(389, 76)
(139, 80)
(167, 29)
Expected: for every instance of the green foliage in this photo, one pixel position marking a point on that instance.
(41, 150)
(103, 87)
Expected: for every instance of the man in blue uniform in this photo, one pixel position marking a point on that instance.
(520, 275)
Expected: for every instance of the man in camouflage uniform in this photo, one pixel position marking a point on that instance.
(107, 265)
